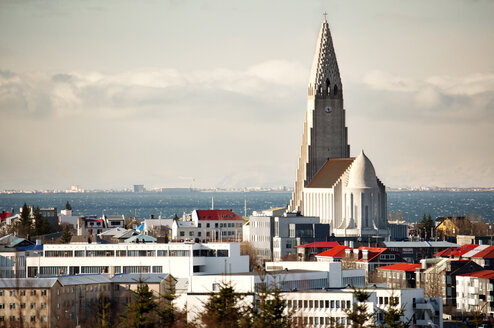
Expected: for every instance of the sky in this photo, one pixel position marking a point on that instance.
(210, 93)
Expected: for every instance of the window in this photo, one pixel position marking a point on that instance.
(338, 304)
(326, 304)
(43, 292)
(199, 225)
(12, 306)
(23, 305)
(23, 293)
(33, 292)
(207, 225)
(33, 305)
(182, 233)
(12, 293)
(332, 304)
(2, 306)
(33, 318)
(305, 304)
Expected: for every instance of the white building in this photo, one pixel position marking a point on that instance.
(177, 259)
(474, 292)
(316, 308)
(347, 194)
(218, 225)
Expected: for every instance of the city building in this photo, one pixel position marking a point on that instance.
(341, 190)
(438, 278)
(325, 135)
(399, 275)
(475, 292)
(177, 259)
(326, 308)
(307, 252)
(275, 237)
(414, 251)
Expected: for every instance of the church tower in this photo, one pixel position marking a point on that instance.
(325, 133)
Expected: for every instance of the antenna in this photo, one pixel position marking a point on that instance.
(212, 202)
(245, 207)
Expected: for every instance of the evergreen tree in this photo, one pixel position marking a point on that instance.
(104, 313)
(222, 309)
(141, 312)
(426, 227)
(26, 222)
(41, 226)
(359, 314)
(166, 309)
(66, 235)
(269, 308)
(392, 316)
(68, 207)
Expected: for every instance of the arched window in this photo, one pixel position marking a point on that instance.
(335, 90)
(328, 86)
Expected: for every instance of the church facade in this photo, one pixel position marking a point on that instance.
(343, 191)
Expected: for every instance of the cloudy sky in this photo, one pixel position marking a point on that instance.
(106, 94)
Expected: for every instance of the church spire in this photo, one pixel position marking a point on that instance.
(325, 132)
(325, 76)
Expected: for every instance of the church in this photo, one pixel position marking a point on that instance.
(341, 190)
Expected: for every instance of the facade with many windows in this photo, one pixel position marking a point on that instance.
(178, 259)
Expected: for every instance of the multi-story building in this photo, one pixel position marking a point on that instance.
(274, 237)
(177, 259)
(414, 251)
(438, 278)
(475, 292)
(68, 301)
(328, 308)
(218, 225)
(399, 275)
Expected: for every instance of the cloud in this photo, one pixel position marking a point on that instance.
(467, 98)
(147, 92)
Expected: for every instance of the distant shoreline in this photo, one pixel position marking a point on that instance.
(247, 190)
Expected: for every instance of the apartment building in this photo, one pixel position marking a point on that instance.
(177, 259)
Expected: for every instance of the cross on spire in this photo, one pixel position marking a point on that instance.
(325, 14)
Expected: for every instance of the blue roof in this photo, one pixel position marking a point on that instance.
(141, 227)
(31, 248)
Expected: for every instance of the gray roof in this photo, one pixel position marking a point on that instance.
(186, 224)
(84, 279)
(27, 282)
(131, 278)
(113, 231)
(419, 244)
(141, 237)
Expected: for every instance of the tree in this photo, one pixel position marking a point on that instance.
(66, 235)
(141, 312)
(392, 316)
(68, 207)
(41, 226)
(222, 309)
(25, 224)
(359, 314)
(426, 226)
(269, 307)
(246, 248)
(166, 310)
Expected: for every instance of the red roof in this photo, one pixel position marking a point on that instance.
(337, 251)
(402, 267)
(487, 253)
(456, 252)
(485, 274)
(217, 215)
(373, 252)
(321, 244)
(4, 215)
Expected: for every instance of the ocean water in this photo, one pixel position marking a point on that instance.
(412, 204)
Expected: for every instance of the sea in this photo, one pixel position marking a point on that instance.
(412, 204)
